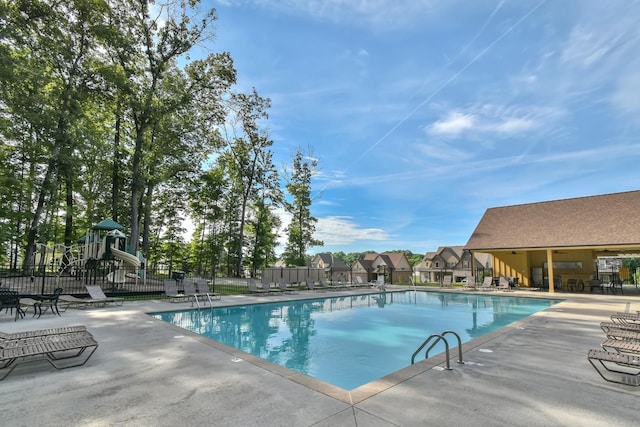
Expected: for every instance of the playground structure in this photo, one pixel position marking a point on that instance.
(103, 246)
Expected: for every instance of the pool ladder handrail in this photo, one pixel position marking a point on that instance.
(438, 338)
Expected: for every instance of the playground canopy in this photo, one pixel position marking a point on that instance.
(108, 225)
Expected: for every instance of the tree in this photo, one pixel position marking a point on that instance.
(302, 226)
(148, 50)
(248, 163)
(50, 53)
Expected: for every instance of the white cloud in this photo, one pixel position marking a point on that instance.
(341, 230)
(511, 125)
(453, 125)
(493, 120)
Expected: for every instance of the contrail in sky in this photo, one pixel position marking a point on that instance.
(454, 76)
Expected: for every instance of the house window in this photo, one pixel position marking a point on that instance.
(465, 264)
(437, 264)
(451, 264)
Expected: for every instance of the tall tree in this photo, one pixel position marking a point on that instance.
(51, 46)
(164, 34)
(302, 226)
(247, 163)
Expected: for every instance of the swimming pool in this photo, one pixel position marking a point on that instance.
(351, 340)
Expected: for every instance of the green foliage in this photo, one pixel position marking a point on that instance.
(302, 226)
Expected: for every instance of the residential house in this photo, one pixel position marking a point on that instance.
(452, 261)
(334, 267)
(394, 266)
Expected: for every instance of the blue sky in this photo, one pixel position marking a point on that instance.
(423, 114)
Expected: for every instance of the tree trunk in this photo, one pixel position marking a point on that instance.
(115, 177)
(68, 225)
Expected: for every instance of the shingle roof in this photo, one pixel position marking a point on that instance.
(604, 220)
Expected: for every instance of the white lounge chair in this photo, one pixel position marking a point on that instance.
(470, 284)
(487, 284)
(96, 293)
(503, 284)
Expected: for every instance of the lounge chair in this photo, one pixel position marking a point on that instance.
(43, 339)
(171, 292)
(96, 293)
(621, 346)
(470, 285)
(487, 284)
(625, 367)
(266, 285)
(190, 289)
(283, 286)
(607, 326)
(202, 286)
(254, 289)
(311, 284)
(325, 285)
(446, 282)
(503, 284)
(626, 317)
(622, 334)
(41, 332)
(361, 283)
(54, 349)
(67, 301)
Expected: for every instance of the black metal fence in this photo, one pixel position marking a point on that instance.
(132, 283)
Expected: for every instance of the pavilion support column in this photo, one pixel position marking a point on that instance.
(550, 269)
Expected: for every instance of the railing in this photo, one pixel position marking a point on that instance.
(121, 281)
(436, 338)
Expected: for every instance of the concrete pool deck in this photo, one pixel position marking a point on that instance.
(148, 373)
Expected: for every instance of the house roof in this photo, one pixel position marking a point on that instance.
(603, 220)
(330, 261)
(365, 263)
(396, 258)
(371, 256)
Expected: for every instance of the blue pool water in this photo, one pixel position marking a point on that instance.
(350, 341)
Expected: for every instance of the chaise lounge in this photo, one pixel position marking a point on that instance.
(96, 293)
(616, 367)
(66, 347)
(171, 292)
(41, 332)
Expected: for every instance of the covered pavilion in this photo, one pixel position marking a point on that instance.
(560, 238)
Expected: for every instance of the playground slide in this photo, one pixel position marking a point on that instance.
(126, 257)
